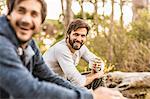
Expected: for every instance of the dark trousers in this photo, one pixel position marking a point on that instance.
(95, 84)
(3, 94)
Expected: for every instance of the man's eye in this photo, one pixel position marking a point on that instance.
(83, 35)
(21, 11)
(76, 34)
(34, 14)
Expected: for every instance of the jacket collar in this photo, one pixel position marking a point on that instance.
(7, 30)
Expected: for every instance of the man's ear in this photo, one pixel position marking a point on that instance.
(67, 36)
(8, 17)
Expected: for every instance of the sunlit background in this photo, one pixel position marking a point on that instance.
(54, 9)
(120, 30)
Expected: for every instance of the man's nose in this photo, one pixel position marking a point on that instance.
(79, 38)
(26, 20)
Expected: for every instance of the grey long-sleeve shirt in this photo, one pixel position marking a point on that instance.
(63, 62)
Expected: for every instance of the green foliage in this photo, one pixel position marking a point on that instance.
(40, 37)
(128, 52)
(83, 66)
(79, 15)
(58, 38)
(141, 27)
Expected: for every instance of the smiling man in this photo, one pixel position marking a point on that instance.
(26, 21)
(23, 73)
(65, 55)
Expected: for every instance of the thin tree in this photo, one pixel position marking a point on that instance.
(94, 2)
(138, 5)
(68, 13)
(121, 10)
(103, 17)
(111, 31)
(82, 8)
(96, 16)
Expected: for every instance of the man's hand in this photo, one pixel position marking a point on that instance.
(96, 64)
(98, 74)
(106, 93)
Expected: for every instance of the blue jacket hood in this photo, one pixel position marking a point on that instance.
(7, 30)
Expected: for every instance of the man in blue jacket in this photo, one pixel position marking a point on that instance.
(23, 73)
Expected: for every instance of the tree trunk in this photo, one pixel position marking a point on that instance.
(62, 7)
(137, 5)
(104, 32)
(62, 16)
(96, 16)
(121, 17)
(68, 13)
(103, 8)
(82, 10)
(111, 31)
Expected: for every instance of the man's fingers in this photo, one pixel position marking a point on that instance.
(113, 94)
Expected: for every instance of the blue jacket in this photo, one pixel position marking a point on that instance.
(32, 79)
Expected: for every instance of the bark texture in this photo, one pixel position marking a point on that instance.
(133, 85)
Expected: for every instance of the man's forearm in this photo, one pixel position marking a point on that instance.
(89, 78)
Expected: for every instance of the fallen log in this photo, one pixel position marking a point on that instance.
(133, 85)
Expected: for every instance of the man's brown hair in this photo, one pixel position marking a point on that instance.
(76, 24)
(11, 3)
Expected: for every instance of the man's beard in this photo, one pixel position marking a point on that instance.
(74, 44)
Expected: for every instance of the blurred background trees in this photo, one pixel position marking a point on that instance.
(124, 47)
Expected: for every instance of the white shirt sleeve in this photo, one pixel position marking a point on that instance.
(65, 60)
(87, 55)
